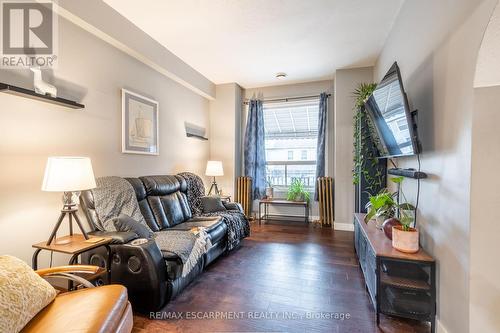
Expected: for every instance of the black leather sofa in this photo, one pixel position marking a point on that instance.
(151, 276)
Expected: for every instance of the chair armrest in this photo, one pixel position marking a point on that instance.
(233, 206)
(68, 273)
(75, 269)
(117, 237)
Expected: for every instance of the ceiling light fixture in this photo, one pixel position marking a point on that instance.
(280, 75)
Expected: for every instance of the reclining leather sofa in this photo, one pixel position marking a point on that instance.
(153, 277)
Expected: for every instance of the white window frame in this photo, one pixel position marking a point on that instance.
(286, 164)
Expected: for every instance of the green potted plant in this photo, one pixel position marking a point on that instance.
(297, 191)
(381, 207)
(405, 238)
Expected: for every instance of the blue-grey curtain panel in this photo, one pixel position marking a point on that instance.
(320, 150)
(255, 153)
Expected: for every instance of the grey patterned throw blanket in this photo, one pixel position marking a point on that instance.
(188, 245)
(114, 196)
(237, 223)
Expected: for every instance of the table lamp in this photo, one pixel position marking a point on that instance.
(214, 169)
(69, 175)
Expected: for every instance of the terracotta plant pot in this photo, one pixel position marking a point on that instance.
(405, 241)
(387, 226)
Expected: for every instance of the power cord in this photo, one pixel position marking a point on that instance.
(52, 252)
(418, 190)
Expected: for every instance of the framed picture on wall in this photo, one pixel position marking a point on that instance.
(140, 133)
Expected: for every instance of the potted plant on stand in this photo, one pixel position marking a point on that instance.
(405, 237)
(381, 207)
(297, 191)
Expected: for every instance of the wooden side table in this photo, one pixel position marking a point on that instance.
(74, 245)
(282, 202)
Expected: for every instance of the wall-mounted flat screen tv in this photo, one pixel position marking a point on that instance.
(389, 112)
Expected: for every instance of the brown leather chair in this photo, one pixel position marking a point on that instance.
(89, 310)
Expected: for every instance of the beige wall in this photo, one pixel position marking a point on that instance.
(436, 44)
(93, 72)
(485, 199)
(291, 90)
(225, 138)
(346, 81)
(488, 66)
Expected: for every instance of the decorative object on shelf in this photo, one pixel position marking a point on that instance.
(69, 175)
(140, 134)
(297, 191)
(269, 190)
(381, 207)
(195, 131)
(214, 169)
(388, 224)
(42, 87)
(22, 92)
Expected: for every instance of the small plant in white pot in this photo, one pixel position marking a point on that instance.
(269, 190)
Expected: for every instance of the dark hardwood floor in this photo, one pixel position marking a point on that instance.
(280, 277)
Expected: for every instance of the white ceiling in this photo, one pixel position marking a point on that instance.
(249, 41)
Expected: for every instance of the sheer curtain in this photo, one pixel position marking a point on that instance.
(255, 154)
(320, 149)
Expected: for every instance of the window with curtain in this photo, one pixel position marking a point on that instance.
(291, 135)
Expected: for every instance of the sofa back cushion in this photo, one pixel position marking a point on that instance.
(167, 200)
(162, 200)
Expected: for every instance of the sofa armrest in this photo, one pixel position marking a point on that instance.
(233, 206)
(117, 237)
(142, 269)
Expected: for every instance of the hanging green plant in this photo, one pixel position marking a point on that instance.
(365, 158)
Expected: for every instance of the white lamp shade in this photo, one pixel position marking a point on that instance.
(214, 168)
(68, 174)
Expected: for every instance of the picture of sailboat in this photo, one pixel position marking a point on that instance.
(140, 121)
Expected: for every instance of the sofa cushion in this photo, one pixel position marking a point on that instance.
(100, 309)
(212, 204)
(22, 293)
(215, 228)
(125, 223)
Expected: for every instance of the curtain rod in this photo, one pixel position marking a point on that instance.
(286, 99)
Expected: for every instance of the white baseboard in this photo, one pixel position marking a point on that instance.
(343, 226)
